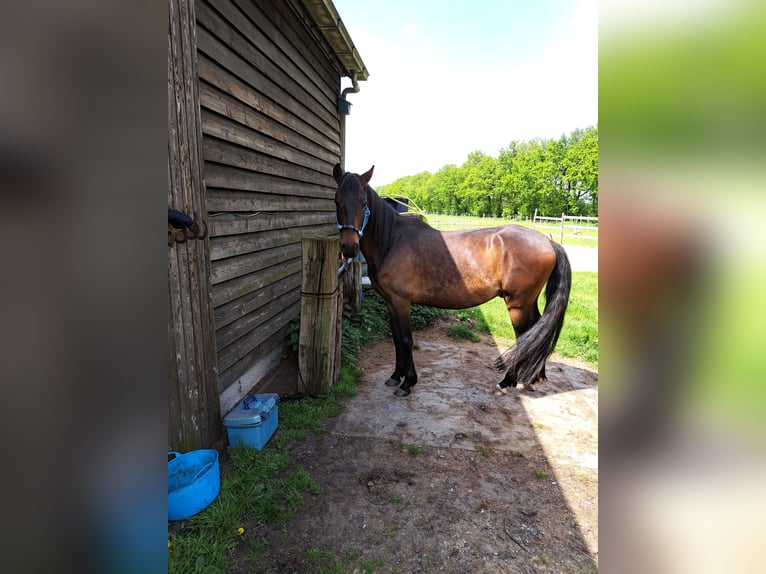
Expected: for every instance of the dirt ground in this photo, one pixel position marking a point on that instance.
(452, 478)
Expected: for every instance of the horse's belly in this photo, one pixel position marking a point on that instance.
(453, 295)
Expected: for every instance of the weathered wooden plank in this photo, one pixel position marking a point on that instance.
(190, 324)
(240, 378)
(240, 89)
(234, 201)
(233, 267)
(235, 288)
(230, 312)
(320, 299)
(302, 59)
(232, 223)
(230, 154)
(250, 23)
(232, 245)
(181, 178)
(225, 105)
(216, 35)
(255, 319)
(227, 177)
(228, 130)
(297, 33)
(233, 353)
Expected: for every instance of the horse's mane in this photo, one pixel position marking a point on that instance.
(382, 220)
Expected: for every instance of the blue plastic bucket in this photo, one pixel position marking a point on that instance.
(194, 481)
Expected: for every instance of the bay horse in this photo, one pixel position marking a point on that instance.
(409, 262)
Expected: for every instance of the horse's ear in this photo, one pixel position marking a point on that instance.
(365, 178)
(337, 172)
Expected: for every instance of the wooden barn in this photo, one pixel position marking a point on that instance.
(256, 121)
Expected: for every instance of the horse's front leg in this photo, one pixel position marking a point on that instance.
(396, 377)
(405, 365)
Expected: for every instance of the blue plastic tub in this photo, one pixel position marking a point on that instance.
(253, 421)
(194, 481)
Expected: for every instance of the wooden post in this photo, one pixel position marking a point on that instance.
(319, 339)
(351, 279)
(534, 218)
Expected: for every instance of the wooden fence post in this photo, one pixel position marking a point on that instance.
(321, 309)
(351, 279)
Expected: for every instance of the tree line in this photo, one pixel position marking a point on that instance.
(547, 175)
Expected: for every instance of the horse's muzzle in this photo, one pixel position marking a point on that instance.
(349, 249)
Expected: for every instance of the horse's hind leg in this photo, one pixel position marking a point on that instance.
(522, 319)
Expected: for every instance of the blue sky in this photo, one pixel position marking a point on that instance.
(450, 77)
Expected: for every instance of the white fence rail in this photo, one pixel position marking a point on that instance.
(580, 226)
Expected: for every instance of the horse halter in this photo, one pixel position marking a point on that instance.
(352, 227)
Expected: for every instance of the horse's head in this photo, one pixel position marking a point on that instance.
(351, 208)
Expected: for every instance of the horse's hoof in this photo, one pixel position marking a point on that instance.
(400, 392)
(392, 383)
(500, 391)
(530, 387)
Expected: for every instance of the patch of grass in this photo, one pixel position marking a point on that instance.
(483, 451)
(256, 488)
(369, 566)
(321, 561)
(351, 555)
(474, 318)
(413, 450)
(391, 532)
(579, 336)
(196, 551)
(461, 332)
(396, 499)
(543, 559)
(541, 474)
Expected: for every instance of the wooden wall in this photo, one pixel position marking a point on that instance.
(193, 402)
(271, 134)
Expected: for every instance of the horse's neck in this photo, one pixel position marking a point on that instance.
(377, 240)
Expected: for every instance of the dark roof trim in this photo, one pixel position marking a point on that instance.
(333, 30)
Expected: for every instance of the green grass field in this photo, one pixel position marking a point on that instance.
(586, 235)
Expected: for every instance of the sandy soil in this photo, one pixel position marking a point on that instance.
(452, 478)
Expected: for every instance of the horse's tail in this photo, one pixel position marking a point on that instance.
(527, 357)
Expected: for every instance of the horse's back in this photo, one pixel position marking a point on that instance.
(461, 269)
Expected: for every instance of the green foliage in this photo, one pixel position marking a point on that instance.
(550, 176)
